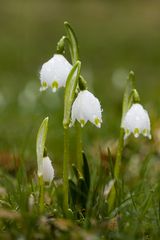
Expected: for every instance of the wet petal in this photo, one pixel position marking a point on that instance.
(86, 107)
(136, 121)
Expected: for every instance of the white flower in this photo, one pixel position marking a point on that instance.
(54, 73)
(48, 170)
(86, 107)
(136, 121)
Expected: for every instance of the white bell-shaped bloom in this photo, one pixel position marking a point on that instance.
(86, 107)
(136, 121)
(48, 170)
(54, 73)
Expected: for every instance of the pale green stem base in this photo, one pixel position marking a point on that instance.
(79, 146)
(41, 194)
(65, 171)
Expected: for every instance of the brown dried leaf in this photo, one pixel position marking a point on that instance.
(7, 214)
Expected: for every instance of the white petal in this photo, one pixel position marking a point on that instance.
(86, 107)
(54, 73)
(48, 170)
(137, 121)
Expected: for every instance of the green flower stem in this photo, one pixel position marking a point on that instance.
(117, 166)
(68, 100)
(65, 171)
(126, 105)
(41, 194)
(129, 93)
(82, 83)
(74, 51)
(79, 146)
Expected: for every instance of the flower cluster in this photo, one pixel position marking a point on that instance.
(82, 106)
(86, 106)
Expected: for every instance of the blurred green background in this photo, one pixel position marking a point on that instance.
(114, 37)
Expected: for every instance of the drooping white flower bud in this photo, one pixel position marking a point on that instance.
(86, 107)
(136, 121)
(54, 73)
(48, 170)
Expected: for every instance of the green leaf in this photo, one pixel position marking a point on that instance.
(73, 191)
(146, 203)
(86, 172)
(76, 172)
(145, 166)
(73, 42)
(129, 86)
(70, 89)
(40, 144)
(82, 192)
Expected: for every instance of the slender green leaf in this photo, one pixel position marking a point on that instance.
(73, 191)
(86, 172)
(70, 89)
(73, 42)
(40, 144)
(83, 192)
(129, 86)
(76, 172)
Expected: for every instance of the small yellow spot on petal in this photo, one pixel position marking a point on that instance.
(97, 122)
(44, 86)
(54, 86)
(145, 132)
(127, 132)
(82, 122)
(136, 132)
